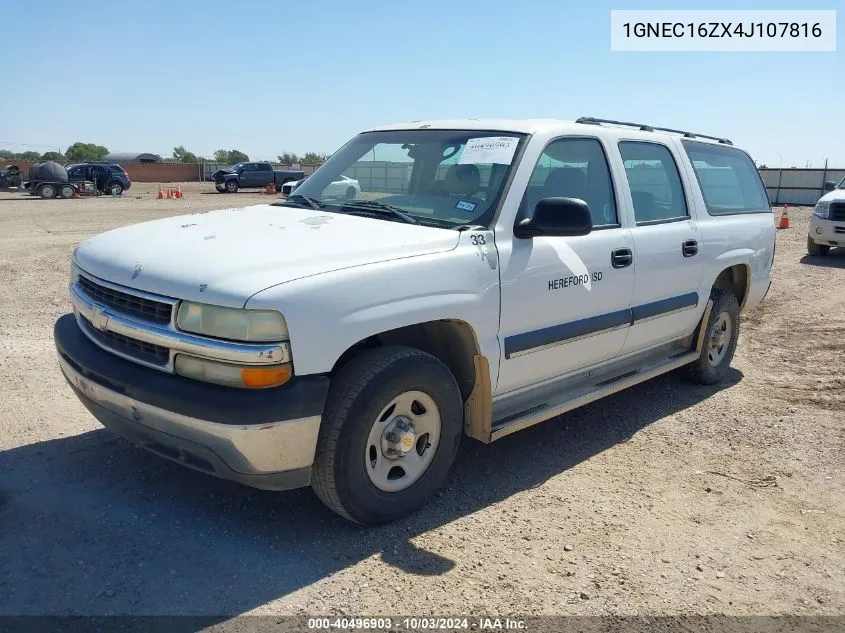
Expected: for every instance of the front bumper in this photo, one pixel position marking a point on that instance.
(263, 439)
(827, 232)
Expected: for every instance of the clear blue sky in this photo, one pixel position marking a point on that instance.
(265, 76)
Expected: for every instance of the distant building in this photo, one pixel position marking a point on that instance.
(132, 157)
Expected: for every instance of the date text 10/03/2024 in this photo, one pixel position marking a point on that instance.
(416, 624)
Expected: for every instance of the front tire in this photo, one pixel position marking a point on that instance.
(816, 250)
(390, 433)
(221, 188)
(720, 338)
(47, 192)
(232, 186)
(351, 193)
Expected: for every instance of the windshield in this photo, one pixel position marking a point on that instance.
(842, 184)
(442, 177)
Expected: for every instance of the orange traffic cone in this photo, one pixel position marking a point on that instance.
(784, 218)
(179, 191)
(160, 193)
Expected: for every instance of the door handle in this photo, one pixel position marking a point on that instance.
(621, 257)
(689, 248)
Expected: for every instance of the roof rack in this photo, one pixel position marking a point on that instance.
(651, 128)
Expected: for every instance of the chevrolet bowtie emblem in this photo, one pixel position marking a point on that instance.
(99, 319)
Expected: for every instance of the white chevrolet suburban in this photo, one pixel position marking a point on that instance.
(489, 275)
(827, 223)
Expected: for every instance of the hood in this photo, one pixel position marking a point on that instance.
(837, 195)
(224, 257)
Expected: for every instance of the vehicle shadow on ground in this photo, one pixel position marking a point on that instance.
(90, 525)
(834, 259)
(23, 198)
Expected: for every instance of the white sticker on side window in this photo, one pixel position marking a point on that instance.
(493, 149)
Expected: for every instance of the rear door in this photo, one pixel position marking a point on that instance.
(667, 240)
(99, 175)
(263, 174)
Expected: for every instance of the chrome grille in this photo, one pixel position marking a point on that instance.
(140, 307)
(837, 211)
(141, 350)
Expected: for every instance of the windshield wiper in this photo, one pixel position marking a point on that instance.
(311, 202)
(380, 206)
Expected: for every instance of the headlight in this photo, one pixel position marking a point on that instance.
(250, 377)
(232, 323)
(822, 210)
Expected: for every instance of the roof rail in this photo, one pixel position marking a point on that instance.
(651, 128)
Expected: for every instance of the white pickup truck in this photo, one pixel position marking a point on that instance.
(827, 223)
(490, 275)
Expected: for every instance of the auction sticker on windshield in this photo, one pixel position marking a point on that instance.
(482, 151)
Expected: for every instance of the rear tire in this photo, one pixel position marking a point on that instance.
(350, 193)
(47, 192)
(231, 186)
(720, 338)
(67, 191)
(816, 250)
(114, 189)
(385, 411)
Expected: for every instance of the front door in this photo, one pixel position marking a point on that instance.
(565, 300)
(248, 176)
(666, 242)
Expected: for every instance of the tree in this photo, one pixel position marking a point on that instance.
(30, 155)
(184, 156)
(86, 151)
(6, 154)
(313, 158)
(54, 156)
(230, 156)
(288, 158)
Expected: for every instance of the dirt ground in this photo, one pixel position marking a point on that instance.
(668, 498)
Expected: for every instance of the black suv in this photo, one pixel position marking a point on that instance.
(107, 177)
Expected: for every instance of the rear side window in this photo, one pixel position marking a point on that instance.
(729, 181)
(263, 167)
(656, 189)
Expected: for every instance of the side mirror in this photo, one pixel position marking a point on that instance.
(829, 185)
(556, 216)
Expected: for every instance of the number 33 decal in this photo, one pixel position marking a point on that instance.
(477, 239)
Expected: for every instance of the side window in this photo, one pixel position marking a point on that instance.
(729, 181)
(77, 172)
(574, 168)
(263, 167)
(655, 183)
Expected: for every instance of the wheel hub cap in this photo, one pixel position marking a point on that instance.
(720, 338)
(399, 438)
(402, 441)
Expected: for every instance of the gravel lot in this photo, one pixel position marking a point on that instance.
(668, 498)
